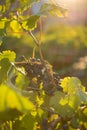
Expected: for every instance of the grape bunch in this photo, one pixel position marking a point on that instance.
(40, 72)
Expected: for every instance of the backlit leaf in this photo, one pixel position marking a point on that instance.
(31, 23)
(8, 54)
(75, 93)
(11, 100)
(71, 85)
(14, 29)
(5, 58)
(21, 81)
(63, 109)
(53, 9)
(15, 25)
(27, 2)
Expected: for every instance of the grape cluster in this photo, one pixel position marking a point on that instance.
(41, 72)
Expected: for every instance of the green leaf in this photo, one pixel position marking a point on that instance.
(27, 2)
(28, 122)
(62, 108)
(71, 85)
(21, 81)
(31, 1)
(11, 100)
(15, 25)
(74, 89)
(14, 29)
(5, 58)
(31, 23)
(53, 9)
(8, 54)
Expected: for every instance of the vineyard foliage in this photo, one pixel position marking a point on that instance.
(32, 95)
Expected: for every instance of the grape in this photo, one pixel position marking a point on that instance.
(43, 72)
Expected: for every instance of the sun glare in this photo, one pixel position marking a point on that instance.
(65, 2)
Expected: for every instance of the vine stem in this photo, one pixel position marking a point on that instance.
(37, 42)
(40, 24)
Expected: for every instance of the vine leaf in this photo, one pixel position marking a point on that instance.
(31, 122)
(73, 88)
(14, 29)
(28, 122)
(11, 100)
(5, 58)
(25, 3)
(71, 83)
(8, 54)
(31, 23)
(21, 81)
(15, 25)
(53, 9)
(63, 108)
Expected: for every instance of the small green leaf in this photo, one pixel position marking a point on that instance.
(8, 54)
(14, 29)
(31, 23)
(15, 25)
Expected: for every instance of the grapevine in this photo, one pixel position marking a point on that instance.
(32, 95)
